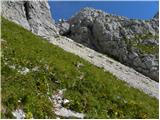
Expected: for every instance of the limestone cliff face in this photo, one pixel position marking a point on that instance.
(32, 15)
(132, 42)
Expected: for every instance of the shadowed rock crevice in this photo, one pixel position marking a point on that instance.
(26, 8)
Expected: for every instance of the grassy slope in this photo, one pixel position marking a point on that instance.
(99, 94)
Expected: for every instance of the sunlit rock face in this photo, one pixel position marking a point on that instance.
(32, 15)
(131, 41)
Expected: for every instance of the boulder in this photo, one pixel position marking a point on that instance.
(64, 28)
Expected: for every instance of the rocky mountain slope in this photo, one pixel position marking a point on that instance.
(124, 73)
(35, 72)
(130, 41)
(41, 80)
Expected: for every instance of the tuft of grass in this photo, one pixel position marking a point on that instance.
(98, 94)
(144, 49)
(148, 49)
(146, 35)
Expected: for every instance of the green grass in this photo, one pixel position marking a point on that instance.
(144, 49)
(148, 49)
(98, 94)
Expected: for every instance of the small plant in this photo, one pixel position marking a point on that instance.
(29, 115)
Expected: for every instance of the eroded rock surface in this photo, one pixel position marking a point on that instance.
(18, 114)
(130, 41)
(32, 15)
(59, 110)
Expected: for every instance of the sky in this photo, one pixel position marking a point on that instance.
(130, 9)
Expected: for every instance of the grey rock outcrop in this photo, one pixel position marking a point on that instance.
(63, 28)
(130, 41)
(32, 15)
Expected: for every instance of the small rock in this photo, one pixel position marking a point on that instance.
(35, 68)
(80, 65)
(65, 101)
(19, 114)
(91, 56)
(81, 77)
(24, 71)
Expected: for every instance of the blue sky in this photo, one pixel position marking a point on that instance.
(130, 9)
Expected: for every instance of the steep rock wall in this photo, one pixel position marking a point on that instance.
(32, 15)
